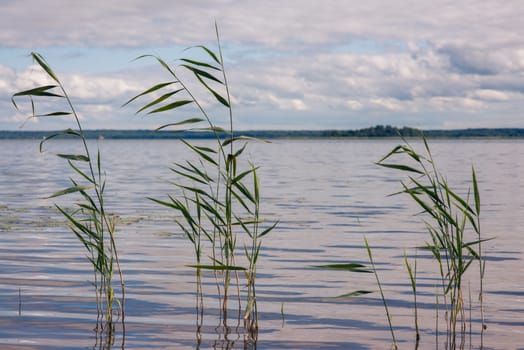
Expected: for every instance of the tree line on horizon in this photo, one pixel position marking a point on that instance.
(377, 131)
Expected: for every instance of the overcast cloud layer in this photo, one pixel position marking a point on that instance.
(291, 64)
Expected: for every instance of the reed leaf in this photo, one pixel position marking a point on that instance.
(158, 100)
(148, 91)
(476, 193)
(171, 106)
(185, 121)
(218, 267)
(401, 167)
(78, 157)
(200, 63)
(61, 133)
(243, 138)
(201, 151)
(267, 230)
(199, 73)
(68, 190)
(42, 63)
(351, 267)
(211, 54)
(219, 98)
(53, 114)
(354, 294)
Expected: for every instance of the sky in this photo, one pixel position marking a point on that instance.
(303, 64)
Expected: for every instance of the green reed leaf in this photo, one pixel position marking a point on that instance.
(201, 64)
(201, 151)
(476, 193)
(239, 151)
(243, 138)
(245, 191)
(195, 190)
(455, 196)
(354, 294)
(411, 274)
(189, 176)
(42, 63)
(54, 114)
(239, 177)
(400, 167)
(158, 100)
(218, 267)
(423, 204)
(81, 173)
(186, 121)
(210, 53)
(159, 60)
(65, 132)
(164, 203)
(191, 168)
(171, 106)
(148, 91)
(351, 267)
(199, 73)
(78, 157)
(38, 91)
(69, 190)
(214, 128)
(396, 150)
(267, 230)
(87, 207)
(219, 98)
(189, 235)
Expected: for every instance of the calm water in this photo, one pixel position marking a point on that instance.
(327, 194)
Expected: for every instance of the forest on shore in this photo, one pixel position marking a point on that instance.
(379, 131)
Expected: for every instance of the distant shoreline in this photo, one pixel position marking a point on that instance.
(378, 131)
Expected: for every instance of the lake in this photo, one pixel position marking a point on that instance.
(327, 195)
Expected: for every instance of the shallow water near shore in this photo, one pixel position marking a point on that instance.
(327, 195)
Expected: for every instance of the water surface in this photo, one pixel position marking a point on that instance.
(327, 195)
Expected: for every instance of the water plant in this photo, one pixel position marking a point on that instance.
(216, 202)
(388, 315)
(412, 272)
(453, 224)
(88, 219)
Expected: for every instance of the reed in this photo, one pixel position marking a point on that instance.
(412, 272)
(453, 225)
(89, 220)
(218, 199)
(388, 315)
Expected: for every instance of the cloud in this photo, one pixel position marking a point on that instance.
(491, 95)
(376, 59)
(274, 24)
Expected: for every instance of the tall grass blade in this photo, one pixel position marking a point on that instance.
(370, 255)
(171, 106)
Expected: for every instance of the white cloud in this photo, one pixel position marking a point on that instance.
(378, 57)
(100, 88)
(6, 77)
(456, 104)
(387, 103)
(270, 23)
(354, 105)
(491, 95)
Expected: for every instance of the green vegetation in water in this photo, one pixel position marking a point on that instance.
(218, 195)
(88, 219)
(453, 225)
(388, 315)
